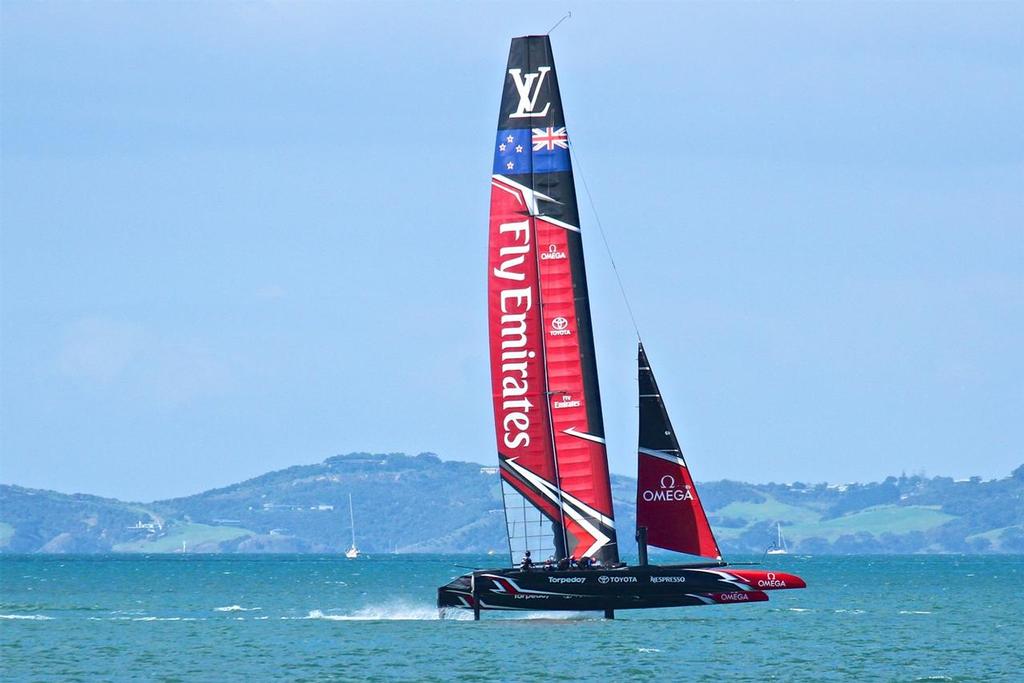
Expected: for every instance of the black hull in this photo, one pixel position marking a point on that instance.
(611, 589)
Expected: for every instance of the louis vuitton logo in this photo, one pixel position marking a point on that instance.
(529, 91)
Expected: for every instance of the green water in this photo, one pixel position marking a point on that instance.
(314, 618)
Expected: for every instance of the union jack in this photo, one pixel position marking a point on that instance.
(549, 138)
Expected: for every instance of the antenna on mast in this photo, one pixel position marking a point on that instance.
(568, 15)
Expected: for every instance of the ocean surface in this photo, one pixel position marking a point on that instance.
(314, 618)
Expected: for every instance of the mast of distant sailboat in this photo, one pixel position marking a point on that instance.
(353, 551)
(780, 543)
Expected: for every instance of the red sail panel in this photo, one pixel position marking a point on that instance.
(582, 462)
(668, 505)
(517, 366)
(667, 502)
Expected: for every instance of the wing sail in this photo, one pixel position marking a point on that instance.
(547, 402)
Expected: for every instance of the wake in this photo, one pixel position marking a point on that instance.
(397, 611)
(402, 611)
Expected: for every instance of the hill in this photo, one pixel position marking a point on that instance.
(424, 504)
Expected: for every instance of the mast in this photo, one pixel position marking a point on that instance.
(667, 503)
(547, 404)
(352, 519)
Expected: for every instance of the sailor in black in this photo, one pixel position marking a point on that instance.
(527, 563)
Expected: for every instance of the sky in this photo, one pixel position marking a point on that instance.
(238, 237)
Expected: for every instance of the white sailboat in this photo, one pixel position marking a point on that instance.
(780, 543)
(353, 552)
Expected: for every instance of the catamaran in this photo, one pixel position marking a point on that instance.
(547, 404)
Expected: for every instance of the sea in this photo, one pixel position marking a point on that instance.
(326, 618)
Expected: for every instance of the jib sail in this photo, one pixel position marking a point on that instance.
(667, 502)
(547, 406)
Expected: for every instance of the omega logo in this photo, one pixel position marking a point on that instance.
(770, 581)
(552, 254)
(667, 491)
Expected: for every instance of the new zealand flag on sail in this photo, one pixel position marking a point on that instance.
(531, 150)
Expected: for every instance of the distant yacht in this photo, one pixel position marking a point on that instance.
(353, 552)
(779, 548)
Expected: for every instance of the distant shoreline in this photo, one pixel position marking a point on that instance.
(422, 504)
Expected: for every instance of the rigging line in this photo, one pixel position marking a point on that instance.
(568, 15)
(604, 238)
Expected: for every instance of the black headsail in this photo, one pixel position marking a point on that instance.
(667, 503)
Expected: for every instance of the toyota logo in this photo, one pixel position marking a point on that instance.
(603, 579)
(559, 323)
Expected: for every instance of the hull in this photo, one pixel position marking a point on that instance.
(612, 589)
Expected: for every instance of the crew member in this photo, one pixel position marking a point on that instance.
(527, 563)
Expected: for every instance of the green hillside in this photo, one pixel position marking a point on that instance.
(424, 504)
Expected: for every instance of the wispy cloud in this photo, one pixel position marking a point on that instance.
(100, 350)
(126, 355)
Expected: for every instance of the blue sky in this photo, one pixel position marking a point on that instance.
(241, 236)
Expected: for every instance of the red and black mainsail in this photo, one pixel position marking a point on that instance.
(547, 405)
